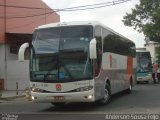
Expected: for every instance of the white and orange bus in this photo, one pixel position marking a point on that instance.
(79, 62)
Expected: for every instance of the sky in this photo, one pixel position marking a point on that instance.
(111, 16)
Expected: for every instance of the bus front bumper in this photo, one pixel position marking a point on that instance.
(141, 79)
(85, 96)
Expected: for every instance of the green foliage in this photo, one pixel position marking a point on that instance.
(145, 18)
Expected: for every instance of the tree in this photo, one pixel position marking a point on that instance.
(145, 17)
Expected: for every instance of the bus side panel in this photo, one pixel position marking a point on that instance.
(114, 68)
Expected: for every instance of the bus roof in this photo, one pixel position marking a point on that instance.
(74, 23)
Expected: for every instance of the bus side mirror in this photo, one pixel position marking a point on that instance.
(92, 49)
(22, 51)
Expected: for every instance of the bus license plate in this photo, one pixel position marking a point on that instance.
(59, 98)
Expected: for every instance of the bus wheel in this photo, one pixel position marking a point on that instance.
(129, 90)
(146, 82)
(107, 95)
(59, 104)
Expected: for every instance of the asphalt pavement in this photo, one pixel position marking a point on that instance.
(144, 100)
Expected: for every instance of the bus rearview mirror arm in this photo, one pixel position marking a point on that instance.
(22, 51)
(92, 49)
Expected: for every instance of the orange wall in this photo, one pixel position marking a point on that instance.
(25, 25)
(2, 22)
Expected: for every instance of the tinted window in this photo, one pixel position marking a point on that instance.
(116, 44)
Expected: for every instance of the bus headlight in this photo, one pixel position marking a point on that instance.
(34, 98)
(149, 77)
(88, 97)
(33, 89)
(86, 88)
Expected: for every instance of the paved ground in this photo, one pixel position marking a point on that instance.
(11, 94)
(145, 99)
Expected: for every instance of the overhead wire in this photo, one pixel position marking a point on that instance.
(13, 13)
(93, 6)
(27, 16)
(85, 7)
(25, 7)
(27, 24)
(78, 8)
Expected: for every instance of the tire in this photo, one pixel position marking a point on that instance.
(59, 104)
(107, 96)
(137, 82)
(129, 90)
(146, 82)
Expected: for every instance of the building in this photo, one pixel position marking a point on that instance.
(17, 21)
(153, 48)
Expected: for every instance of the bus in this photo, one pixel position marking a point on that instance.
(79, 62)
(144, 66)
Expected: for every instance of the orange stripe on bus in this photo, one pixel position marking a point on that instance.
(129, 66)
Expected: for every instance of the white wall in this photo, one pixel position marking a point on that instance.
(16, 72)
(2, 61)
(13, 71)
(151, 49)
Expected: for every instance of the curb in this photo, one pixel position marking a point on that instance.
(12, 97)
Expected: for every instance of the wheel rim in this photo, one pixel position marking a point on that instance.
(130, 87)
(106, 96)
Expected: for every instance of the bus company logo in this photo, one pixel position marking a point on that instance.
(58, 87)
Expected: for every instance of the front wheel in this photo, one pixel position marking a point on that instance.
(107, 95)
(129, 90)
(146, 82)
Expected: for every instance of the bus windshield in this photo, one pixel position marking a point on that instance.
(61, 54)
(143, 62)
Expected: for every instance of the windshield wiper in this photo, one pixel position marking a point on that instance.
(85, 68)
(66, 69)
(48, 72)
